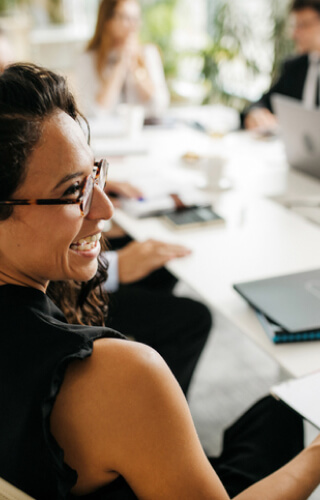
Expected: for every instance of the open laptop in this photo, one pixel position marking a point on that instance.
(300, 131)
(291, 301)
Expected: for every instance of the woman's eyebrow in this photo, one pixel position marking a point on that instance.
(68, 178)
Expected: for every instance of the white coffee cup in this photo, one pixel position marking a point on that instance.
(135, 119)
(213, 167)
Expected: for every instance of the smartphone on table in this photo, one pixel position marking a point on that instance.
(193, 217)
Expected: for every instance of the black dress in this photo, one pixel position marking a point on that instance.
(37, 344)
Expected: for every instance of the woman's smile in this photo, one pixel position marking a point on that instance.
(89, 246)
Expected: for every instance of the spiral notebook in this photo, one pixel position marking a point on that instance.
(279, 335)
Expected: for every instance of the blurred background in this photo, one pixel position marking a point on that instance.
(214, 51)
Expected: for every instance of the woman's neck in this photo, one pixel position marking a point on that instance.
(8, 279)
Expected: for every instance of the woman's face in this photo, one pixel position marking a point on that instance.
(125, 21)
(39, 243)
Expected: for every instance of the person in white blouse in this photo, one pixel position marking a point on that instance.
(299, 77)
(116, 68)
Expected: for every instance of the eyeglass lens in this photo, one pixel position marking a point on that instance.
(88, 189)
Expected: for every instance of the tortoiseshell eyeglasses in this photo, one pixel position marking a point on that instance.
(84, 199)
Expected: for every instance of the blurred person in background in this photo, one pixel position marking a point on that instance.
(299, 76)
(116, 68)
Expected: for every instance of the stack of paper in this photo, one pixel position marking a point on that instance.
(302, 395)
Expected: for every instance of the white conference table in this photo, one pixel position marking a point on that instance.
(261, 238)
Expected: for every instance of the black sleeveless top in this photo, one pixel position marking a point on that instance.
(37, 344)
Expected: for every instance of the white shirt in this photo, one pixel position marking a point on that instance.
(112, 283)
(88, 83)
(309, 97)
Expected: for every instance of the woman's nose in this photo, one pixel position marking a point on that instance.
(101, 206)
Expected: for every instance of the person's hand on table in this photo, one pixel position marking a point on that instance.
(138, 259)
(260, 118)
(124, 189)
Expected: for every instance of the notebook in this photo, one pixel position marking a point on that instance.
(299, 129)
(279, 336)
(302, 395)
(291, 301)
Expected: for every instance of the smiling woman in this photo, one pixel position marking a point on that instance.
(85, 413)
(50, 121)
(59, 166)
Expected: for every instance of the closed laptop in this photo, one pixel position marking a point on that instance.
(291, 301)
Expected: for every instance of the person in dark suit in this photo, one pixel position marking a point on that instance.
(299, 75)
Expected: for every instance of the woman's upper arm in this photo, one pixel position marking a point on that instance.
(124, 412)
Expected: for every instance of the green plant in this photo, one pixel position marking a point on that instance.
(283, 45)
(9, 5)
(158, 24)
(231, 33)
(55, 11)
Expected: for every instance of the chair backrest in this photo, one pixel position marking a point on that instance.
(10, 492)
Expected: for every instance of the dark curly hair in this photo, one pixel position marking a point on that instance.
(29, 94)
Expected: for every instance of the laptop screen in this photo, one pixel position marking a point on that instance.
(299, 130)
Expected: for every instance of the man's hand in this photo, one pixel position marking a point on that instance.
(260, 118)
(138, 259)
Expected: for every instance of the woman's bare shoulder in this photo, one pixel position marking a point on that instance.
(113, 367)
(113, 382)
(121, 411)
(116, 363)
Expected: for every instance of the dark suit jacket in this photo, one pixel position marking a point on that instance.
(290, 83)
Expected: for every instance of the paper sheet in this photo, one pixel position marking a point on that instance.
(303, 395)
